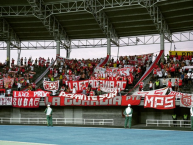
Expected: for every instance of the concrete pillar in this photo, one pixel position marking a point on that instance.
(68, 53)
(57, 48)
(16, 114)
(109, 46)
(162, 46)
(8, 53)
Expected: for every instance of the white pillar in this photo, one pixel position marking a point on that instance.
(108, 46)
(162, 45)
(57, 48)
(8, 53)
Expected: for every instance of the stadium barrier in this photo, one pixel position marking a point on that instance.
(57, 121)
(168, 122)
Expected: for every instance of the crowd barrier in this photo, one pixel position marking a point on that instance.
(168, 122)
(57, 121)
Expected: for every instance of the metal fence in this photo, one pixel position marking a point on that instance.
(57, 121)
(168, 122)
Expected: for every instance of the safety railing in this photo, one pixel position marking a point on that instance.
(57, 121)
(168, 122)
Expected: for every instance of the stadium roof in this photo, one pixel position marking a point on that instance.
(81, 19)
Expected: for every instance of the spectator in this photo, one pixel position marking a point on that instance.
(150, 85)
(74, 90)
(18, 86)
(157, 83)
(170, 85)
(176, 85)
(164, 82)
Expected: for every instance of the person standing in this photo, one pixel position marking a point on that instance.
(191, 113)
(48, 112)
(128, 115)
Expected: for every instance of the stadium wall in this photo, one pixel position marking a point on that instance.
(96, 112)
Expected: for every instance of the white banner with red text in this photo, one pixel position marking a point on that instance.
(113, 72)
(51, 85)
(26, 102)
(4, 101)
(159, 101)
(162, 91)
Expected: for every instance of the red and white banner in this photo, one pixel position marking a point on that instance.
(105, 89)
(94, 84)
(51, 85)
(7, 81)
(90, 98)
(177, 94)
(112, 72)
(110, 99)
(162, 91)
(159, 101)
(30, 93)
(186, 100)
(26, 102)
(132, 99)
(1, 83)
(5, 101)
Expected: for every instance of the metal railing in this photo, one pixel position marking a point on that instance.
(57, 121)
(168, 122)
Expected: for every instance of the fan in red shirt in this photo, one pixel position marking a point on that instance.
(170, 85)
(33, 86)
(180, 84)
(92, 93)
(140, 86)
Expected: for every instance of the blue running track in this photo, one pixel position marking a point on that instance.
(93, 136)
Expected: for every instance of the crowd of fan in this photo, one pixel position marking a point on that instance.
(66, 70)
(173, 67)
(73, 70)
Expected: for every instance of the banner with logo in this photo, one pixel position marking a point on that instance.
(7, 81)
(26, 102)
(4, 101)
(159, 101)
(186, 100)
(162, 91)
(30, 93)
(95, 83)
(51, 85)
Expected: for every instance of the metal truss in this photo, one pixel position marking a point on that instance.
(158, 19)
(50, 23)
(101, 18)
(99, 43)
(68, 7)
(8, 34)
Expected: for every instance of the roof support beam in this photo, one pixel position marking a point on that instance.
(50, 22)
(99, 43)
(8, 34)
(93, 7)
(66, 7)
(158, 19)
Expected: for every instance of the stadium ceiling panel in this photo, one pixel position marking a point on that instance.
(126, 17)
